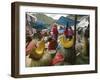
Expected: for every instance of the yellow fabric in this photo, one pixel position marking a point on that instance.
(41, 45)
(66, 43)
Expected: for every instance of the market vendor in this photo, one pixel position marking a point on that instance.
(52, 45)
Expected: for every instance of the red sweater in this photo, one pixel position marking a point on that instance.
(54, 30)
(52, 45)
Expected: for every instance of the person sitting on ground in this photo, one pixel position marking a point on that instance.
(52, 45)
(30, 43)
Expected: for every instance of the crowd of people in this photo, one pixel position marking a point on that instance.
(54, 47)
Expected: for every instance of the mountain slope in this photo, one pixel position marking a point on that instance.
(44, 18)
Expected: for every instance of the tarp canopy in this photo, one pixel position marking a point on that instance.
(38, 25)
(65, 21)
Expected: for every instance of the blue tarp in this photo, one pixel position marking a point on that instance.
(65, 21)
(38, 25)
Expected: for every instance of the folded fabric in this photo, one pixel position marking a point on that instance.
(58, 58)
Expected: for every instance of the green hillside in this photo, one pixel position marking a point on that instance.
(44, 18)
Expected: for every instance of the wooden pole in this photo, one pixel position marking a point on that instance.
(74, 50)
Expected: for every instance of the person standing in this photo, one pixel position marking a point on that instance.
(54, 32)
(66, 32)
(70, 33)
